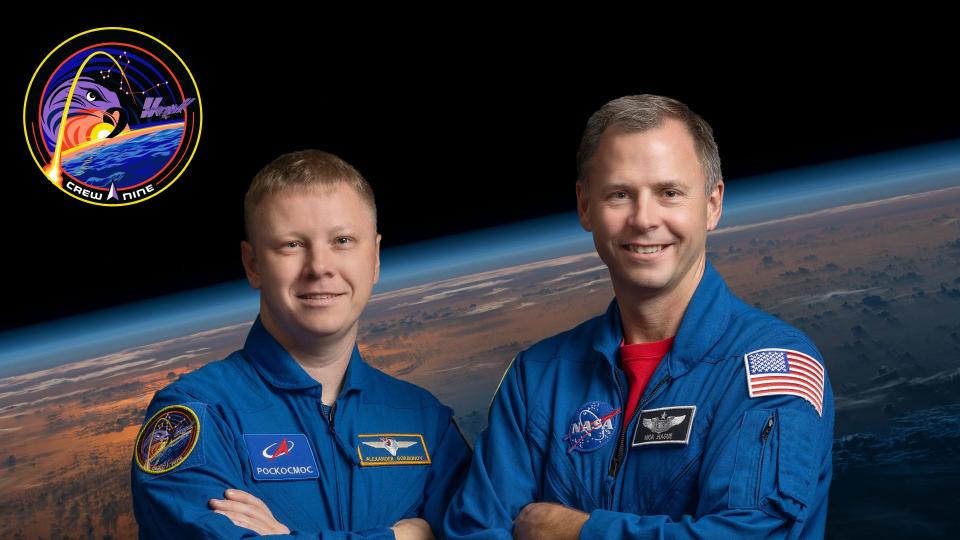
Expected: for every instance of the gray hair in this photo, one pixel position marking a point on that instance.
(643, 112)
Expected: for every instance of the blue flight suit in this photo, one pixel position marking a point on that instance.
(742, 468)
(258, 411)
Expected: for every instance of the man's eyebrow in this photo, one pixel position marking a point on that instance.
(337, 229)
(670, 184)
(661, 185)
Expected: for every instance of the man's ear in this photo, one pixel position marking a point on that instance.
(249, 257)
(583, 204)
(715, 206)
(376, 268)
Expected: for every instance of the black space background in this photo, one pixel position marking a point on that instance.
(458, 125)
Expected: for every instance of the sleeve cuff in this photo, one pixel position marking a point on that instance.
(608, 524)
(378, 533)
(596, 525)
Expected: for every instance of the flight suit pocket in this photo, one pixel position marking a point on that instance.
(797, 463)
(562, 481)
(676, 500)
(776, 463)
(395, 491)
(754, 465)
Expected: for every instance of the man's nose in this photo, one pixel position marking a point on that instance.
(318, 263)
(646, 212)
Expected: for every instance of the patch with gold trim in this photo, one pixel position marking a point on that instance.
(167, 439)
(392, 449)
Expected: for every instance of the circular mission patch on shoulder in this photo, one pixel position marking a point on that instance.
(167, 439)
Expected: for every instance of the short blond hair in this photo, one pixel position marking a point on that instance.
(304, 169)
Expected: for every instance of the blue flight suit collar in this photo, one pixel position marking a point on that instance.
(277, 367)
(703, 323)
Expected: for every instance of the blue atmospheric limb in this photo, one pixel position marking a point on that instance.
(101, 332)
(829, 185)
(747, 200)
(478, 251)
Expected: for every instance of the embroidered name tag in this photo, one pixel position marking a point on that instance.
(666, 425)
(392, 449)
(281, 456)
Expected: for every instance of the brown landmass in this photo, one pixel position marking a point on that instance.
(877, 287)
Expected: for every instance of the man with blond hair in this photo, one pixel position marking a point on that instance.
(295, 434)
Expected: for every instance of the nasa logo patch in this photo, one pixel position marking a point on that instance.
(166, 440)
(591, 427)
(666, 425)
(280, 456)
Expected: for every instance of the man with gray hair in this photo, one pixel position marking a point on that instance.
(681, 412)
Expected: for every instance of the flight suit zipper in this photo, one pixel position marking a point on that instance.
(336, 470)
(764, 435)
(616, 454)
(622, 443)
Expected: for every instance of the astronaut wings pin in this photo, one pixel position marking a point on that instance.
(390, 444)
(663, 423)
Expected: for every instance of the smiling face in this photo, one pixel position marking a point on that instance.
(314, 253)
(646, 206)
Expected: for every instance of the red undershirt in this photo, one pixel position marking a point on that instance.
(638, 361)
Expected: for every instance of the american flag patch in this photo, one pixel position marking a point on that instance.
(773, 372)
